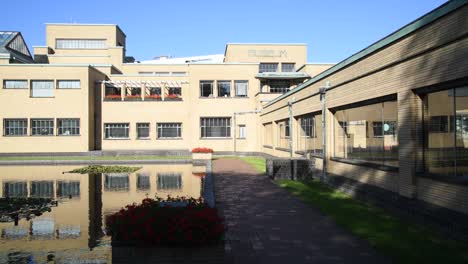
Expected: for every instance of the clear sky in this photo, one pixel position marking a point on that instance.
(333, 29)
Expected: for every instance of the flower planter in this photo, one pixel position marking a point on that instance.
(132, 99)
(153, 98)
(202, 156)
(112, 98)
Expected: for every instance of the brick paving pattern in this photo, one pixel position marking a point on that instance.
(266, 224)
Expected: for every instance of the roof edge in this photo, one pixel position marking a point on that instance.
(404, 31)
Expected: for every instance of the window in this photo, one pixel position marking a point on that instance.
(242, 131)
(42, 88)
(353, 126)
(279, 86)
(143, 130)
(133, 93)
(438, 124)
(287, 67)
(42, 189)
(80, 43)
(68, 188)
(115, 182)
(175, 91)
(215, 127)
(283, 133)
(153, 93)
(15, 127)
(169, 181)
(143, 182)
(68, 127)
(206, 88)
(68, 84)
(15, 84)
(241, 88)
(309, 139)
(388, 128)
(15, 189)
(169, 130)
(308, 126)
(42, 127)
(446, 144)
(116, 130)
(224, 88)
(268, 67)
(112, 92)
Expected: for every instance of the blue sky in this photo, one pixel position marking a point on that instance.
(333, 29)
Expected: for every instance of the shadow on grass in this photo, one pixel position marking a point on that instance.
(403, 241)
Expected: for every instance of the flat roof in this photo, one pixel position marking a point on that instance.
(85, 24)
(404, 31)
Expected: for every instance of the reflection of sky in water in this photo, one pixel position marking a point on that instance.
(76, 225)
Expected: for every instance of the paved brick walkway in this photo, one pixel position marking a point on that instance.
(268, 225)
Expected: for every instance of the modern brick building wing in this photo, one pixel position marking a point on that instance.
(395, 113)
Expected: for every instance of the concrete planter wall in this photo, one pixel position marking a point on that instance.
(202, 156)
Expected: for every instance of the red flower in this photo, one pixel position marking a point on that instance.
(202, 150)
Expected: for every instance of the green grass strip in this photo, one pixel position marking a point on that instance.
(404, 242)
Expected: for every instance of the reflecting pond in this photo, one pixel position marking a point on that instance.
(72, 232)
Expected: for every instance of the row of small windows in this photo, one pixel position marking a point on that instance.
(80, 43)
(273, 67)
(42, 88)
(210, 127)
(223, 88)
(41, 127)
(121, 130)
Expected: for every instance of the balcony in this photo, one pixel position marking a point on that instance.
(142, 90)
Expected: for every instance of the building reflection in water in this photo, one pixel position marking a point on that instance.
(77, 223)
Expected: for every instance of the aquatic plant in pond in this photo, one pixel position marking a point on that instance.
(104, 169)
(14, 209)
(176, 221)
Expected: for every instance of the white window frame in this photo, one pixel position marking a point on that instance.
(60, 130)
(33, 82)
(120, 125)
(23, 128)
(16, 82)
(68, 84)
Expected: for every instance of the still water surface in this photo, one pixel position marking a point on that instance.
(72, 232)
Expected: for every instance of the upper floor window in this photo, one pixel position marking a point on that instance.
(112, 92)
(241, 88)
(268, 67)
(279, 86)
(80, 43)
(224, 88)
(287, 67)
(42, 88)
(15, 84)
(68, 84)
(206, 88)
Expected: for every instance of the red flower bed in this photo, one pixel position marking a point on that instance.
(176, 221)
(113, 96)
(172, 96)
(202, 150)
(133, 96)
(199, 174)
(153, 96)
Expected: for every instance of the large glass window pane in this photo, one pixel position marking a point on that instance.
(367, 133)
(279, 86)
(460, 125)
(224, 88)
(42, 88)
(310, 134)
(439, 150)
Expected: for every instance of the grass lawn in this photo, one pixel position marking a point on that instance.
(402, 241)
(97, 158)
(258, 163)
